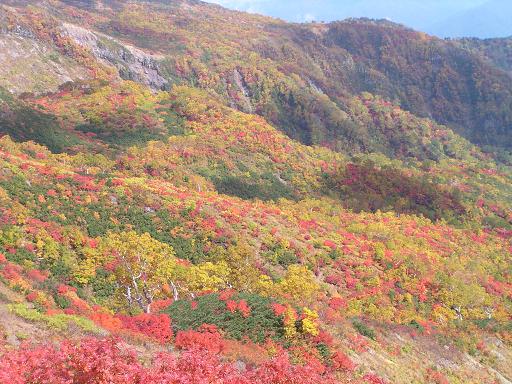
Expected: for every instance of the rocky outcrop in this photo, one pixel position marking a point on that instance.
(29, 65)
(245, 96)
(132, 63)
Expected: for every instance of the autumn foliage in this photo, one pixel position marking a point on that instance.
(242, 205)
(93, 361)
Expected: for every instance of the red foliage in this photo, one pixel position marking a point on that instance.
(330, 244)
(358, 343)
(90, 362)
(32, 296)
(156, 326)
(37, 275)
(159, 305)
(481, 346)
(11, 271)
(494, 287)
(281, 371)
(324, 337)
(226, 295)
(30, 247)
(78, 304)
(311, 360)
(278, 309)
(334, 280)
(342, 362)
(337, 303)
(243, 307)
(107, 321)
(374, 379)
(63, 288)
(207, 338)
(436, 377)
(193, 366)
(231, 305)
(93, 243)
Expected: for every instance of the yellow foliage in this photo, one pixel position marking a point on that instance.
(143, 266)
(86, 269)
(354, 307)
(47, 248)
(240, 261)
(443, 315)
(310, 322)
(290, 317)
(208, 277)
(264, 285)
(299, 283)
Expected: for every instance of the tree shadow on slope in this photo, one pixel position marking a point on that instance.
(367, 187)
(264, 189)
(22, 122)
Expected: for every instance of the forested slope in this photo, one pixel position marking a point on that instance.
(190, 194)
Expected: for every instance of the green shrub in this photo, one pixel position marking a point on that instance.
(20, 256)
(62, 322)
(417, 326)
(263, 188)
(261, 323)
(62, 301)
(102, 286)
(4, 298)
(363, 329)
(366, 187)
(278, 254)
(324, 351)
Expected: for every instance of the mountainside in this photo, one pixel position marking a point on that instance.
(195, 195)
(496, 51)
(302, 78)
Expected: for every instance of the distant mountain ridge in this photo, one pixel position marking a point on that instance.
(454, 18)
(489, 20)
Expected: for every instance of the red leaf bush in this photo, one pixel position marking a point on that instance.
(93, 361)
(155, 326)
(207, 338)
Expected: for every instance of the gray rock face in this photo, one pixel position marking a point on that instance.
(240, 366)
(240, 83)
(29, 65)
(132, 63)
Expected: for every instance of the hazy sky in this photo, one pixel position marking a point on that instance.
(433, 16)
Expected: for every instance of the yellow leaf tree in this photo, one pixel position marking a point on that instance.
(143, 266)
(299, 283)
(310, 322)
